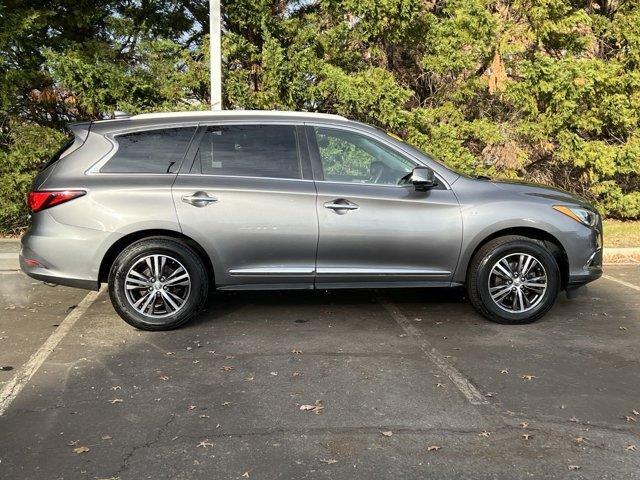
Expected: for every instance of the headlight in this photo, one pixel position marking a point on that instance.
(582, 215)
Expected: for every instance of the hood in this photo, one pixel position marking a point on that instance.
(553, 194)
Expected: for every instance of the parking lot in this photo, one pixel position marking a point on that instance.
(394, 384)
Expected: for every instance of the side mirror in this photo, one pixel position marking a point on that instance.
(423, 178)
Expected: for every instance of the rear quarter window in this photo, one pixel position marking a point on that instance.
(151, 151)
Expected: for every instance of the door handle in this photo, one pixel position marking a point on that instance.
(199, 199)
(341, 205)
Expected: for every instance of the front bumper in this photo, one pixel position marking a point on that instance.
(591, 271)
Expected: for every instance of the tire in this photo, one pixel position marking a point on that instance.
(482, 276)
(176, 300)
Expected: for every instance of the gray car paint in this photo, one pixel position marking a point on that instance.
(276, 233)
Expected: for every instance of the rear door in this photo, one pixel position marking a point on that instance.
(248, 198)
(374, 228)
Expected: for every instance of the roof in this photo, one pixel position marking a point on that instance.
(235, 113)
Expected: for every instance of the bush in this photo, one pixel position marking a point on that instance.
(25, 146)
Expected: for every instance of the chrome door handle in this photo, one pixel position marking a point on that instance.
(341, 205)
(199, 199)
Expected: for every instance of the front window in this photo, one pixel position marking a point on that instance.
(355, 158)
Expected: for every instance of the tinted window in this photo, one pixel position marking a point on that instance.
(154, 151)
(249, 150)
(351, 157)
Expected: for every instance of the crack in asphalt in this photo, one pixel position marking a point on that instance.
(147, 444)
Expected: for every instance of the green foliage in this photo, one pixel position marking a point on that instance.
(23, 150)
(544, 90)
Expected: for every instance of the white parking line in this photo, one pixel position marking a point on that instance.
(463, 384)
(11, 390)
(621, 282)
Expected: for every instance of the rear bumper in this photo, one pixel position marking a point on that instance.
(58, 280)
(62, 254)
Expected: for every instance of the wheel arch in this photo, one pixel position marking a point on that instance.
(114, 250)
(553, 244)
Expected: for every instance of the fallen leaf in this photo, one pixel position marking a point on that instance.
(106, 437)
(504, 370)
(329, 461)
(315, 408)
(275, 374)
(227, 368)
(245, 474)
(205, 416)
(226, 404)
(635, 412)
(524, 424)
(526, 436)
(116, 400)
(440, 385)
(387, 433)
(622, 328)
(484, 433)
(205, 444)
(164, 378)
(295, 374)
(171, 353)
(580, 439)
(630, 448)
(433, 448)
(81, 449)
(528, 377)
(630, 419)
(574, 420)
(73, 443)
(192, 407)
(295, 351)
(574, 467)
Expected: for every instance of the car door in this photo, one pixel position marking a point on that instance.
(248, 198)
(373, 229)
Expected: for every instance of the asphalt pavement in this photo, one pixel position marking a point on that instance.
(343, 384)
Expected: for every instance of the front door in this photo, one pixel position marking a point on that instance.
(249, 200)
(375, 230)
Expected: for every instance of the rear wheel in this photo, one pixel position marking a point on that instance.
(513, 280)
(158, 284)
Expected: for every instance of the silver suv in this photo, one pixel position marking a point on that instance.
(166, 207)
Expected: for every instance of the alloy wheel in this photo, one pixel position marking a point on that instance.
(517, 282)
(157, 285)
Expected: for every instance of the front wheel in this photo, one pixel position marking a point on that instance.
(513, 280)
(158, 284)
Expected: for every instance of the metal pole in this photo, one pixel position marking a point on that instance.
(215, 54)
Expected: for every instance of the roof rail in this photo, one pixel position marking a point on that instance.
(233, 113)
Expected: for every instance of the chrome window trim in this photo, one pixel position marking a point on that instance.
(243, 176)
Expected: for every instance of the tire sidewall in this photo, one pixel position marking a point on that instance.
(135, 252)
(539, 253)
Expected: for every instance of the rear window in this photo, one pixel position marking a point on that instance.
(250, 151)
(153, 151)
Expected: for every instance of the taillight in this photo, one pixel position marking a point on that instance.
(40, 200)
